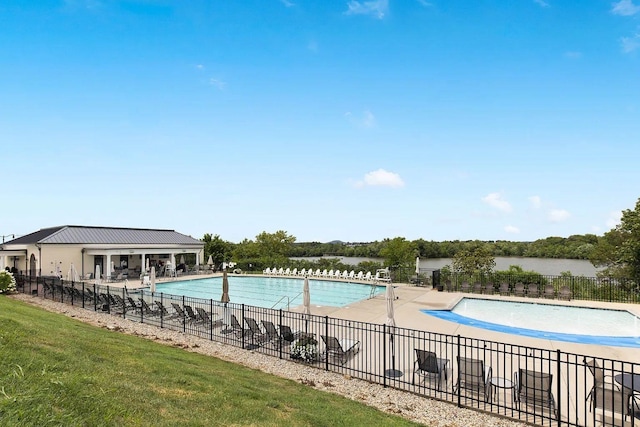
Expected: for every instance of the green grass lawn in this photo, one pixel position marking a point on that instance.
(55, 371)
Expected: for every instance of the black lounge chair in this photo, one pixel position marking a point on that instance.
(342, 349)
(533, 291)
(504, 289)
(565, 293)
(519, 290)
(549, 292)
(206, 320)
(489, 288)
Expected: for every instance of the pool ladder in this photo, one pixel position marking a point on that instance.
(288, 301)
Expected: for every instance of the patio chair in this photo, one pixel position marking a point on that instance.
(192, 317)
(163, 310)
(430, 366)
(341, 349)
(549, 291)
(473, 377)
(272, 333)
(237, 328)
(147, 310)
(180, 314)
(565, 293)
(504, 289)
(465, 287)
(519, 290)
(614, 402)
(533, 388)
(489, 288)
(600, 379)
(477, 288)
(533, 291)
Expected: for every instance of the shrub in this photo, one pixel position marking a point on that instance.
(7, 282)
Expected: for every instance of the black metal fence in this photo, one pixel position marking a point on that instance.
(580, 287)
(535, 385)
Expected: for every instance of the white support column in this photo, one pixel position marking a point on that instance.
(107, 267)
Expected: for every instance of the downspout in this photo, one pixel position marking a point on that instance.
(39, 259)
(82, 266)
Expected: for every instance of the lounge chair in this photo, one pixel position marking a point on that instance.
(533, 388)
(465, 287)
(477, 288)
(473, 377)
(533, 291)
(237, 328)
(549, 291)
(179, 312)
(192, 317)
(287, 272)
(266, 271)
(162, 309)
(430, 366)
(519, 290)
(340, 350)
(352, 275)
(565, 293)
(257, 336)
(504, 289)
(272, 333)
(147, 310)
(294, 272)
(302, 272)
(360, 275)
(345, 275)
(206, 320)
(368, 277)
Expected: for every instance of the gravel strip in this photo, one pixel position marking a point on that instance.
(410, 406)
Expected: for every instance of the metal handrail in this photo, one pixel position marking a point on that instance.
(288, 301)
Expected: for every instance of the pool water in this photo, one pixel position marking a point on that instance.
(549, 321)
(273, 292)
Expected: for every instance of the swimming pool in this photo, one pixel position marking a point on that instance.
(548, 321)
(273, 292)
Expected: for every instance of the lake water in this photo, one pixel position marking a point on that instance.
(545, 266)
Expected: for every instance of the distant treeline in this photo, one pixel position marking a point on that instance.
(573, 247)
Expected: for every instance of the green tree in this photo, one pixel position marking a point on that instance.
(399, 255)
(478, 260)
(274, 248)
(619, 249)
(220, 250)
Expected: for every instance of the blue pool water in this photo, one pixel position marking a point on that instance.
(548, 321)
(274, 292)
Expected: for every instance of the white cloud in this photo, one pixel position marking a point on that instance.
(381, 178)
(536, 202)
(558, 215)
(625, 8)
(512, 229)
(614, 219)
(217, 83)
(377, 8)
(367, 120)
(83, 4)
(199, 67)
(425, 3)
(629, 44)
(541, 3)
(287, 3)
(495, 200)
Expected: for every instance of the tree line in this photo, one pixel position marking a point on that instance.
(617, 251)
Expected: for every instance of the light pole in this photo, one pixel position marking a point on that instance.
(13, 236)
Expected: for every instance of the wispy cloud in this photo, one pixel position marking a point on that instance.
(495, 200)
(625, 8)
(366, 120)
(536, 201)
(219, 84)
(425, 3)
(312, 46)
(83, 4)
(573, 55)
(199, 67)
(558, 215)
(629, 44)
(376, 8)
(287, 3)
(614, 219)
(541, 3)
(512, 229)
(380, 178)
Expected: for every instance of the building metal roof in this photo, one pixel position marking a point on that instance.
(74, 234)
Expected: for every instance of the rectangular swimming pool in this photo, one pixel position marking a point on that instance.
(273, 292)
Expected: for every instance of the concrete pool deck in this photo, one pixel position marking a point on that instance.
(411, 300)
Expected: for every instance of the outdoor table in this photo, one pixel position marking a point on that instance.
(503, 383)
(630, 381)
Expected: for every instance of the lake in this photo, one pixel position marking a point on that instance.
(545, 266)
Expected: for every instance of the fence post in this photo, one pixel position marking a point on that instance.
(280, 338)
(95, 298)
(457, 358)
(184, 318)
(210, 318)
(242, 325)
(326, 334)
(558, 388)
(384, 355)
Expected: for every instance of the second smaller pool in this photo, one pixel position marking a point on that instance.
(549, 321)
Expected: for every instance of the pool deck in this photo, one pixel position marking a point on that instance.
(412, 299)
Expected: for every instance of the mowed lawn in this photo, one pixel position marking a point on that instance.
(55, 371)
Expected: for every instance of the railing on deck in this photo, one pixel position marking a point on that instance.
(539, 386)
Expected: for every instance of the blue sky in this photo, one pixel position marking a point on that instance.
(350, 120)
